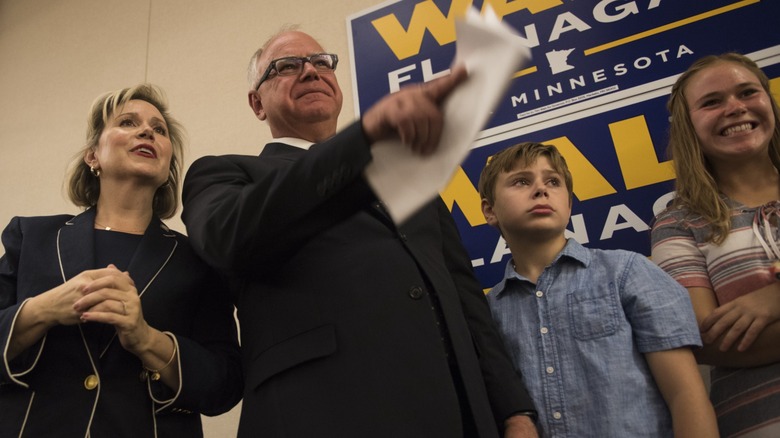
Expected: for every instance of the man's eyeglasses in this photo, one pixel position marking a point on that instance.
(293, 65)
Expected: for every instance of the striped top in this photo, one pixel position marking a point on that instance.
(746, 400)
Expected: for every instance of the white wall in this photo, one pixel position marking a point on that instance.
(56, 56)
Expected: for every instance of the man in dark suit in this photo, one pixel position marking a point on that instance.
(351, 326)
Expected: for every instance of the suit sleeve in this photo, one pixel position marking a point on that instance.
(10, 304)
(209, 356)
(506, 391)
(8, 297)
(247, 214)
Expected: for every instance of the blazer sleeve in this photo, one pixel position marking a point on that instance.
(505, 388)
(248, 213)
(212, 372)
(211, 380)
(9, 307)
(10, 304)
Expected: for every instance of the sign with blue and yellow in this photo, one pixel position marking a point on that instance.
(596, 88)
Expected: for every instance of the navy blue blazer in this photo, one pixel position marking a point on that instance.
(43, 391)
(335, 302)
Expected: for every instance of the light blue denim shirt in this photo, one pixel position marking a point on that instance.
(579, 334)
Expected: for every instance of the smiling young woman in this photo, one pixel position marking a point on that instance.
(719, 237)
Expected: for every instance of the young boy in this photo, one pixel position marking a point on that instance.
(602, 338)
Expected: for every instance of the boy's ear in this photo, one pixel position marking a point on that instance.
(490, 216)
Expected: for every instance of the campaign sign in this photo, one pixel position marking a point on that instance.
(596, 88)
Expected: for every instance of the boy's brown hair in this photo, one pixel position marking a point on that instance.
(526, 154)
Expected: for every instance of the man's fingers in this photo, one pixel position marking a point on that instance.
(440, 88)
(413, 114)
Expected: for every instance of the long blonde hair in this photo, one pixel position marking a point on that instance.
(695, 185)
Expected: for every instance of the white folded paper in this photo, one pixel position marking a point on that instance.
(492, 52)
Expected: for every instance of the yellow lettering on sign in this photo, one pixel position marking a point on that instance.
(461, 190)
(589, 183)
(504, 7)
(426, 16)
(406, 42)
(636, 154)
(774, 87)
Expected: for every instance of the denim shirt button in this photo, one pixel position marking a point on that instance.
(557, 415)
(539, 293)
(550, 370)
(544, 330)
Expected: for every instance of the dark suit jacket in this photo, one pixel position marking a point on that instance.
(338, 332)
(42, 391)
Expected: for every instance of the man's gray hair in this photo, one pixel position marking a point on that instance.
(253, 71)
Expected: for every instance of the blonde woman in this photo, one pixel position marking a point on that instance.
(109, 323)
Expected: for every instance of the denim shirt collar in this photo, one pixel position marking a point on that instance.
(571, 251)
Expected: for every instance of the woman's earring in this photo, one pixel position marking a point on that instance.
(94, 171)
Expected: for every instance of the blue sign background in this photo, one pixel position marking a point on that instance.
(652, 46)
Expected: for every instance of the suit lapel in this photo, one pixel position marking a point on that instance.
(154, 251)
(76, 245)
(282, 150)
(378, 210)
(151, 256)
(76, 252)
(76, 249)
